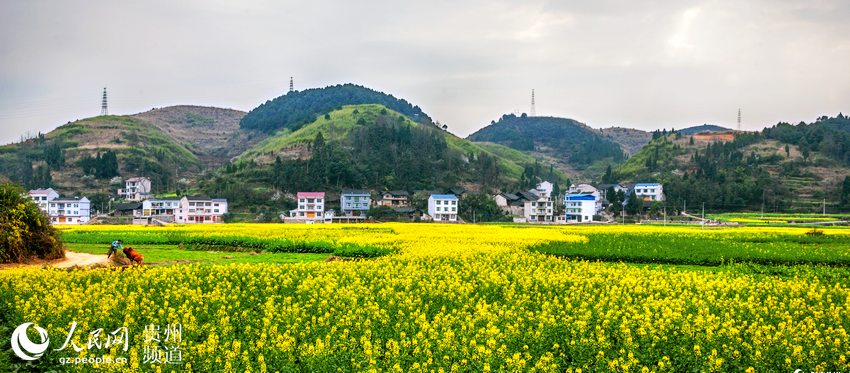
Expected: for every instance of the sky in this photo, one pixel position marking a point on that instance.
(642, 64)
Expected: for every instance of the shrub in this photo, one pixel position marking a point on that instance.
(25, 232)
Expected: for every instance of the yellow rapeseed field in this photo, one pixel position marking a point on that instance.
(452, 298)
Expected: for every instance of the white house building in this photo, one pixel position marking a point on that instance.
(544, 189)
(311, 206)
(199, 210)
(649, 192)
(580, 208)
(136, 189)
(540, 210)
(69, 210)
(164, 210)
(42, 197)
(355, 202)
(443, 207)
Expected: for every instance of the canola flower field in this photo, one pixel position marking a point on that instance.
(459, 298)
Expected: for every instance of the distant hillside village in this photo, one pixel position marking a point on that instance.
(582, 203)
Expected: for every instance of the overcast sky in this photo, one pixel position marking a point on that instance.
(642, 64)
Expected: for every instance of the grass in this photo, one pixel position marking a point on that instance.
(167, 254)
(342, 121)
(756, 218)
(706, 249)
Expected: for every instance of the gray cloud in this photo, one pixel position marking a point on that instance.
(647, 65)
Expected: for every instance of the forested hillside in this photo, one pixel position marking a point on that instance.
(783, 168)
(371, 146)
(573, 145)
(298, 108)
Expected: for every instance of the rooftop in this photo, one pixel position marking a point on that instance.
(310, 195)
(443, 196)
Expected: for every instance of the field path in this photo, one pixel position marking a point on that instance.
(73, 258)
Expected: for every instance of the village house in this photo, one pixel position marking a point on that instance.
(136, 189)
(580, 207)
(394, 198)
(42, 197)
(311, 206)
(126, 209)
(649, 192)
(544, 189)
(69, 210)
(355, 203)
(196, 210)
(540, 210)
(443, 207)
(161, 210)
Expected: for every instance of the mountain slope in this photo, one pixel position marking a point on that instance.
(67, 157)
(576, 148)
(212, 134)
(630, 139)
(298, 108)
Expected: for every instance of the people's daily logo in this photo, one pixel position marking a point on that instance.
(24, 347)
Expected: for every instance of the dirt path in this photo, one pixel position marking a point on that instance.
(80, 259)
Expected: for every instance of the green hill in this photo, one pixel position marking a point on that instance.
(299, 108)
(82, 156)
(795, 168)
(371, 146)
(574, 147)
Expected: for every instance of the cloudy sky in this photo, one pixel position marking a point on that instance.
(643, 64)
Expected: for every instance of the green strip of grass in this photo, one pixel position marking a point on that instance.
(166, 254)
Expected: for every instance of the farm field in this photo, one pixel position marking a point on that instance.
(429, 297)
(755, 218)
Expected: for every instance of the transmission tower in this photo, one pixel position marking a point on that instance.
(739, 119)
(533, 109)
(104, 109)
(291, 85)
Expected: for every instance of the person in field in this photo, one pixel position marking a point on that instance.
(115, 246)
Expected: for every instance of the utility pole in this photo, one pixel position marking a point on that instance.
(703, 215)
(665, 215)
(824, 206)
(623, 214)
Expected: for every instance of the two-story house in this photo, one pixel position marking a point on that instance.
(199, 210)
(164, 210)
(136, 189)
(443, 207)
(355, 202)
(394, 198)
(69, 210)
(649, 192)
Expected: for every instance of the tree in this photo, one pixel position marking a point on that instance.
(787, 150)
(845, 194)
(608, 178)
(25, 231)
(634, 204)
(480, 207)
